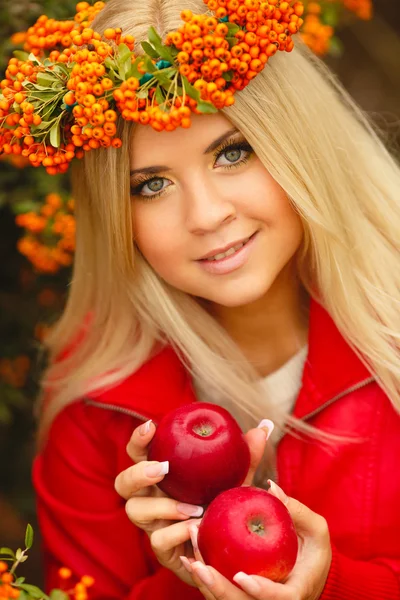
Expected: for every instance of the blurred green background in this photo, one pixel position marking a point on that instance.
(364, 55)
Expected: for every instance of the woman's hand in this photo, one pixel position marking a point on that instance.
(305, 582)
(151, 510)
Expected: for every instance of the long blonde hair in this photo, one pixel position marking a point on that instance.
(340, 178)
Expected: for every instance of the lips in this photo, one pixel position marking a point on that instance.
(219, 253)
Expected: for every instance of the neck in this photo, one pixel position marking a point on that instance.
(272, 329)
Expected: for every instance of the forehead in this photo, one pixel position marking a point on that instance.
(148, 144)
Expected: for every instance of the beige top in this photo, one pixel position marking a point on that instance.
(281, 386)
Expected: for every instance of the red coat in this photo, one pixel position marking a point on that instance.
(354, 486)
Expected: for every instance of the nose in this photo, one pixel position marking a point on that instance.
(207, 205)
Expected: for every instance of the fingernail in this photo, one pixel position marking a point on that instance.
(267, 426)
(203, 573)
(193, 536)
(190, 509)
(186, 564)
(278, 492)
(247, 583)
(145, 428)
(157, 470)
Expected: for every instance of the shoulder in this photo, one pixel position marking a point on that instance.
(160, 385)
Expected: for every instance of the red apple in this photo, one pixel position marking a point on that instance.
(247, 529)
(206, 450)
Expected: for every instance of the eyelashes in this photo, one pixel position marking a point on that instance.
(228, 145)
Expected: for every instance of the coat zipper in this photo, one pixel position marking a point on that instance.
(125, 411)
(353, 388)
(132, 413)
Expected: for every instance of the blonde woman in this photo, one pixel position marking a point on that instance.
(251, 260)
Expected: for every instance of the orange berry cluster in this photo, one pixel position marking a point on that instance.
(216, 58)
(70, 101)
(79, 591)
(7, 591)
(47, 34)
(315, 33)
(362, 8)
(55, 219)
(14, 371)
(87, 93)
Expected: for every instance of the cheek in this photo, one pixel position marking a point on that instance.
(154, 232)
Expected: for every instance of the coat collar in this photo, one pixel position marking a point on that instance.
(162, 383)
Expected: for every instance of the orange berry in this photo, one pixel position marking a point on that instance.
(109, 34)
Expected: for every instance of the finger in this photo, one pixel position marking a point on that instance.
(306, 521)
(144, 510)
(140, 438)
(262, 588)
(139, 477)
(220, 587)
(165, 540)
(193, 530)
(256, 439)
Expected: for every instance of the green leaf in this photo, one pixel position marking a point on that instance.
(18, 554)
(206, 107)
(58, 595)
(29, 536)
(124, 52)
(44, 80)
(34, 591)
(123, 60)
(161, 78)
(19, 580)
(232, 29)
(330, 16)
(148, 48)
(142, 93)
(24, 596)
(191, 91)
(159, 96)
(149, 65)
(21, 55)
(154, 37)
(33, 58)
(336, 47)
(7, 552)
(62, 68)
(163, 51)
(232, 41)
(55, 135)
(133, 69)
(228, 75)
(48, 63)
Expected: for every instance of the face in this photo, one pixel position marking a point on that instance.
(207, 215)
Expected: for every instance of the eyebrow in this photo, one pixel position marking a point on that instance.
(210, 148)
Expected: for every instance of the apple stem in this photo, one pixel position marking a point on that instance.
(257, 527)
(204, 430)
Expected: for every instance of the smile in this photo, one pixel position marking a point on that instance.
(232, 259)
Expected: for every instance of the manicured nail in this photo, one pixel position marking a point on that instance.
(203, 573)
(275, 490)
(267, 426)
(193, 536)
(186, 564)
(190, 509)
(157, 470)
(145, 428)
(247, 583)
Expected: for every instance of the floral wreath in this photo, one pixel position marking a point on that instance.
(62, 97)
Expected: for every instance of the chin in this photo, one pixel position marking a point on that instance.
(240, 294)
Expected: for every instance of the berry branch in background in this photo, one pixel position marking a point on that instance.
(16, 587)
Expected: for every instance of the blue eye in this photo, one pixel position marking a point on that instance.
(232, 151)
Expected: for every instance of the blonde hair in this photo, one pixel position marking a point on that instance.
(343, 182)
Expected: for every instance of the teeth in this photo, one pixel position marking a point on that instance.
(228, 252)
